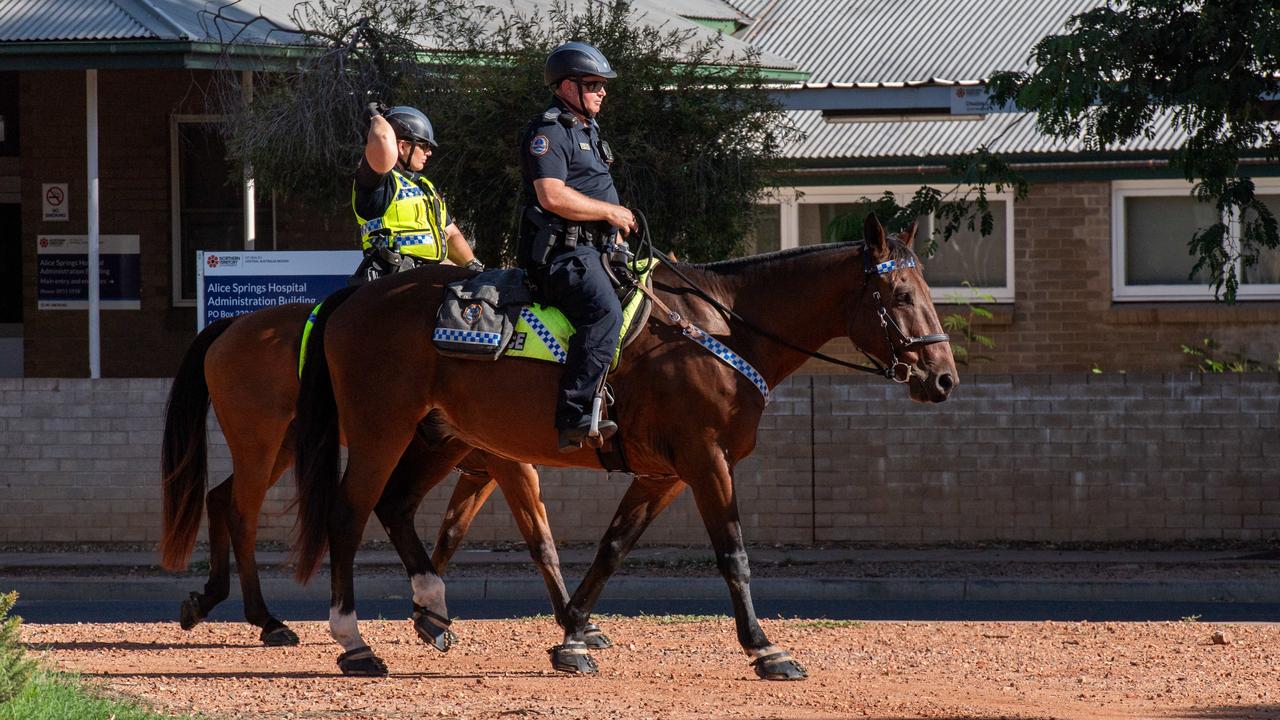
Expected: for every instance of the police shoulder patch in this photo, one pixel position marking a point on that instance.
(539, 145)
(551, 114)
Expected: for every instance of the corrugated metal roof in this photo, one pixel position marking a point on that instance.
(873, 41)
(702, 9)
(1008, 133)
(219, 20)
(44, 20)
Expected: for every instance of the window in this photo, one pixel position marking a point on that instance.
(984, 262)
(766, 235)
(1152, 222)
(208, 204)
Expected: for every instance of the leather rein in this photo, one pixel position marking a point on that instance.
(897, 340)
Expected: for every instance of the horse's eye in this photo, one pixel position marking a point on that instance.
(902, 298)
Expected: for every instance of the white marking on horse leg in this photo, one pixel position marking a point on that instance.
(344, 629)
(428, 590)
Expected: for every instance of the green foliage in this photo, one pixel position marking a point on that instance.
(15, 667)
(962, 324)
(57, 696)
(1210, 357)
(1207, 68)
(826, 624)
(695, 132)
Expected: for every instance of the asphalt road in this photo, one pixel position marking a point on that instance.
(165, 610)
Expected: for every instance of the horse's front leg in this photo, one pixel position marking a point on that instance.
(713, 492)
(644, 499)
(420, 469)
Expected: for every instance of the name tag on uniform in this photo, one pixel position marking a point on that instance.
(584, 146)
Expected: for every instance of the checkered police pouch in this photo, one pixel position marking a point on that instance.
(478, 314)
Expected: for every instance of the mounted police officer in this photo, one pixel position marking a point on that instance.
(571, 213)
(403, 220)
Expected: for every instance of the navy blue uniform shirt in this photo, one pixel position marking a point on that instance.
(572, 154)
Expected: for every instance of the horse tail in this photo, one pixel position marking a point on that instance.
(184, 458)
(316, 447)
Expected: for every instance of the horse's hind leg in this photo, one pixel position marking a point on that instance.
(644, 499)
(374, 449)
(420, 469)
(520, 486)
(247, 496)
(718, 505)
(197, 606)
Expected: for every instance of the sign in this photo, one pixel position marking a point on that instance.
(234, 283)
(53, 196)
(62, 272)
(974, 100)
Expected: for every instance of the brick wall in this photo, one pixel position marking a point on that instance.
(1062, 319)
(1053, 457)
(134, 109)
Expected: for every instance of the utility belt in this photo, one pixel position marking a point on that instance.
(543, 236)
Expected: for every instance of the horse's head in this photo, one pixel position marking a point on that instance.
(893, 319)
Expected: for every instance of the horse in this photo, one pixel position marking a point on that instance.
(247, 368)
(687, 416)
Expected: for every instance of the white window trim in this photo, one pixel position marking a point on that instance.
(1122, 292)
(792, 198)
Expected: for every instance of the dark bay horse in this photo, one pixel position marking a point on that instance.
(686, 416)
(248, 370)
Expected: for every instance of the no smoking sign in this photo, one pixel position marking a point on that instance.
(54, 199)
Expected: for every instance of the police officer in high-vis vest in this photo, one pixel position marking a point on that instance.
(403, 220)
(571, 213)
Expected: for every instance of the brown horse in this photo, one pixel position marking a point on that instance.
(248, 369)
(686, 416)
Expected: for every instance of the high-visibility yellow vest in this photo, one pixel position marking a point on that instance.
(413, 223)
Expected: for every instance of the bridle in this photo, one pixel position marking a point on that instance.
(897, 371)
(898, 340)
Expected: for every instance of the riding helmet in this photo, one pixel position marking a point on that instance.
(411, 124)
(576, 59)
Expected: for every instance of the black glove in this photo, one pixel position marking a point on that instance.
(372, 109)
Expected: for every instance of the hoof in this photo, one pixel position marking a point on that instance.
(189, 614)
(361, 662)
(573, 658)
(595, 638)
(433, 629)
(779, 666)
(277, 634)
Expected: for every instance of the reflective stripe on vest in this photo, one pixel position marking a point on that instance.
(413, 222)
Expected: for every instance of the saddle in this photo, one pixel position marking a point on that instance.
(492, 315)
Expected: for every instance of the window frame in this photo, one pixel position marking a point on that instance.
(792, 198)
(1193, 292)
(175, 206)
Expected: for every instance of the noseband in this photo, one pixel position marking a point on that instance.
(897, 340)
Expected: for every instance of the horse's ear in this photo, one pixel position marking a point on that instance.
(873, 235)
(908, 235)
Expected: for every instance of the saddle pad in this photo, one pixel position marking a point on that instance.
(542, 332)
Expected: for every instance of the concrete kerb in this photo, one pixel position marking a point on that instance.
(919, 575)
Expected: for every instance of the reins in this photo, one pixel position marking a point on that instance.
(645, 249)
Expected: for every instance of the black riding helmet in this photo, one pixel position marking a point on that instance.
(411, 124)
(576, 59)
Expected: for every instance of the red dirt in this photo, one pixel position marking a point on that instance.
(889, 671)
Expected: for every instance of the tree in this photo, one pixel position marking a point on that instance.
(1210, 68)
(696, 134)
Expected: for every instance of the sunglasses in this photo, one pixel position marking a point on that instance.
(591, 86)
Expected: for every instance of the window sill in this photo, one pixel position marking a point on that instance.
(1192, 313)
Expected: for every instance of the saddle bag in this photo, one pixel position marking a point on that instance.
(478, 315)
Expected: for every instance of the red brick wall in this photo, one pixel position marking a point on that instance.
(1062, 318)
(134, 107)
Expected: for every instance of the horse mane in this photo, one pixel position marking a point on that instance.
(897, 251)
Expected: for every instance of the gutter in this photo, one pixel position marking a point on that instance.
(932, 168)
